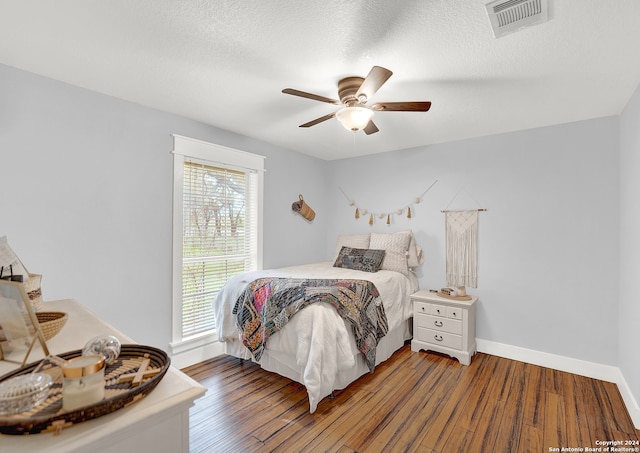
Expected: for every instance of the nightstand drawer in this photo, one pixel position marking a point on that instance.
(448, 340)
(438, 310)
(439, 323)
(455, 313)
(441, 310)
(421, 307)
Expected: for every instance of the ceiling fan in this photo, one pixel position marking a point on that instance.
(354, 92)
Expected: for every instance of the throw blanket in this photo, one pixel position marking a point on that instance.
(267, 304)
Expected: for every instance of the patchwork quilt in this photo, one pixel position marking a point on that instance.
(267, 304)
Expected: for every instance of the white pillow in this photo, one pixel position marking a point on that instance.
(356, 241)
(396, 246)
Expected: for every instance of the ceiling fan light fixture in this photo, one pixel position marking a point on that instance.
(353, 92)
(354, 118)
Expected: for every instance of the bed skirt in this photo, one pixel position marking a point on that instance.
(285, 365)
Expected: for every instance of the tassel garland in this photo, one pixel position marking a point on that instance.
(381, 215)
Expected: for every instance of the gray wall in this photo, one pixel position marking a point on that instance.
(548, 242)
(87, 198)
(629, 308)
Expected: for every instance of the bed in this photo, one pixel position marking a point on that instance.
(317, 347)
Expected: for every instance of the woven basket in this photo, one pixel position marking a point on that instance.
(51, 322)
(303, 209)
(49, 416)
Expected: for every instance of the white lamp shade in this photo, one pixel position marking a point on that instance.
(354, 118)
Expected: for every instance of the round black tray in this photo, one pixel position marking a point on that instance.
(49, 415)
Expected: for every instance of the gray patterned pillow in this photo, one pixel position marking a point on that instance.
(356, 241)
(367, 260)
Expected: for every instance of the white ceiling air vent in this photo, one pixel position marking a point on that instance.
(508, 16)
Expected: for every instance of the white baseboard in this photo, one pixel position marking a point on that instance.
(189, 353)
(575, 366)
(629, 401)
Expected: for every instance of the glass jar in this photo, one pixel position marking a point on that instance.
(105, 345)
(82, 382)
(22, 393)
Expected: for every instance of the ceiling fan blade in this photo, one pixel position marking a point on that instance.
(315, 97)
(371, 128)
(372, 83)
(318, 120)
(417, 106)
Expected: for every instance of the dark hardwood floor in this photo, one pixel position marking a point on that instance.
(414, 402)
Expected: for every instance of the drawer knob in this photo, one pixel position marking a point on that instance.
(422, 308)
(438, 323)
(437, 338)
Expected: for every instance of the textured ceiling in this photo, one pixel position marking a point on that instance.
(225, 63)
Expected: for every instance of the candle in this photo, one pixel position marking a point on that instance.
(83, 382)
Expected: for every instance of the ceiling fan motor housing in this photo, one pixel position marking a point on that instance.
(347, 89)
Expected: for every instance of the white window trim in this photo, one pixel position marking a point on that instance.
(195, 349)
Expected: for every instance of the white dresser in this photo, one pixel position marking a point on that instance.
(159, 422)
(444, 325)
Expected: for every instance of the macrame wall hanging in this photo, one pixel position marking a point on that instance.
(363, 212)
(461, 243)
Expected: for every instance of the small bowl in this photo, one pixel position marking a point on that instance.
(22, 393)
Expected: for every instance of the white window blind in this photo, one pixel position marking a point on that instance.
(217, 231)
(219, 240)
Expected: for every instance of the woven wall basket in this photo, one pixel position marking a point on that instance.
(303, 209)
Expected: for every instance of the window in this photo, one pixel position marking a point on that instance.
(217, 231)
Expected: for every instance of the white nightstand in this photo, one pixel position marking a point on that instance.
(444, 325)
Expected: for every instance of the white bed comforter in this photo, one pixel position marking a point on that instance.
(317, 343)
